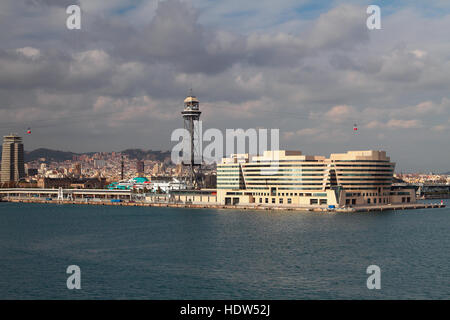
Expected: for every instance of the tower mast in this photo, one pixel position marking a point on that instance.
(191, 116)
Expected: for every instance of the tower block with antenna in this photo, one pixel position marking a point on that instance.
(191, 116)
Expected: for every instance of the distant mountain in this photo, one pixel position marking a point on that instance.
(140, 154)
(56, 155)
(48, 154)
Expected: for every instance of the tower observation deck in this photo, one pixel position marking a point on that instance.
(191, 115)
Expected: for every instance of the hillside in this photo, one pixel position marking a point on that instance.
(56, 155)
(48, 154)
(147, 154)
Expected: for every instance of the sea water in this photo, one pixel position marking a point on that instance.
(175, 253)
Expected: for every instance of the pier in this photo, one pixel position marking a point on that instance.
(126, 198)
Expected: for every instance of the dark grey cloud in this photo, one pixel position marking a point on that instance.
(53, 3)
(175, 37)
(120, 81)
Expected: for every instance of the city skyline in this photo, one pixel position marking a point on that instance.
(139, 159)
(399, 169)
(311, 69)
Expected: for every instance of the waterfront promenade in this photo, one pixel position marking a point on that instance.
(133, 203)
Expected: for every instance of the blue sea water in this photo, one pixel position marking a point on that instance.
(167, 253)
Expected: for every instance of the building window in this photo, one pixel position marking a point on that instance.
(313, 201)
(273, 200)
(289, 200)
(368, 201)
(273, 191)
(281, 200)
(260, 200)
(267, 200)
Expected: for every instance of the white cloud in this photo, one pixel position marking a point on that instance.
(395, 124)
(341, 113)
(29, 52)
(90, 63)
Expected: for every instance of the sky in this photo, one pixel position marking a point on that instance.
(310, 68)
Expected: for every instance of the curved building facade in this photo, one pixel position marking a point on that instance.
(291, 178)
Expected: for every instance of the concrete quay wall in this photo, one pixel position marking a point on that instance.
(238, 207)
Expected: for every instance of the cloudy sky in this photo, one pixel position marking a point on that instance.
(310, 68)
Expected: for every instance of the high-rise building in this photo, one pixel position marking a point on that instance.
(43, 168)
(77, 169)
(140, 167)
(156, 170)
(13, 168)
